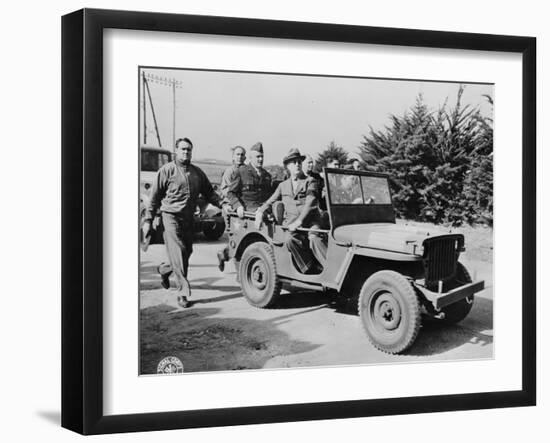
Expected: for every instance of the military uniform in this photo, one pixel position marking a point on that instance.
(320, 186)
(227, 177)
(249, 188)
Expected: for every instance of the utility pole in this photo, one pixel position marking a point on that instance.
(171, 82)
(173, 112)
(152, 110)
(144, 110)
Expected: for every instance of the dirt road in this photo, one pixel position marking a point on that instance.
(221, 331)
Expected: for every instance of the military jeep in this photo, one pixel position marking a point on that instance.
(397, 273)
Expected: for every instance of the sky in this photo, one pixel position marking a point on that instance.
(218, 110)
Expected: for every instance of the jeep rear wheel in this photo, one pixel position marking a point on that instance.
(389, 311)
(258, 276)
(459, 311)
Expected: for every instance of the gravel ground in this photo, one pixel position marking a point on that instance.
(221, 331)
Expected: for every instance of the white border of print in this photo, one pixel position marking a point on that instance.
(125, 392)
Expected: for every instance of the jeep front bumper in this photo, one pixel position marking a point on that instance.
(441, 299)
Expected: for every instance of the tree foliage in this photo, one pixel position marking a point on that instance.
(277, 172)
(440, 162)
(331, 151)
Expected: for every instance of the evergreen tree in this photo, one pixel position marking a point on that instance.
(277, 172)
(331, 151)
(440, 163)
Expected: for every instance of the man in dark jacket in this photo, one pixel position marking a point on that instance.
(174, 193)
(251, 184)
(237, 160)
(299, 195)
(228, 176)
(248, 187)
(307, 168)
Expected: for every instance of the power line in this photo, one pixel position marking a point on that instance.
(164, 81)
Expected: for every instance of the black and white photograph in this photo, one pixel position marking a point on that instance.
(275, 221)
(298, 221)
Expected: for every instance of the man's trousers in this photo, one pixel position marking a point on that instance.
(307, 250)
(178, 240)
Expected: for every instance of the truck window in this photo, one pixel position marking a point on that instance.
(153, 160)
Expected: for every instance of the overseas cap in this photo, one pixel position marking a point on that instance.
(257, 147)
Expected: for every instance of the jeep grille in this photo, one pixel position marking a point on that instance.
(440, 258)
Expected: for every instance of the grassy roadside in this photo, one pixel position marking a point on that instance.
(479, 239)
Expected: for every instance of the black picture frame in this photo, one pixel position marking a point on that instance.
(82, 215)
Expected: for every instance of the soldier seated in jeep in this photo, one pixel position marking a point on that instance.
(299, 196)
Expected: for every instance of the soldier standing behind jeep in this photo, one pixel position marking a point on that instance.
(228, 176)
(249, 186)
(238, 156)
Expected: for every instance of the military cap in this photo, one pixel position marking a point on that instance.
(257, 147)
(293, 154)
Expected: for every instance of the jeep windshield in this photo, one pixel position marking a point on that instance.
(347, 188)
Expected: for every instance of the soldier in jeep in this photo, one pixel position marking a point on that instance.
(299, 195)
(251, 183)
(248, 187)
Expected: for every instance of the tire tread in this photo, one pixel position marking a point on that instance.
(413, 305)
(272, 265)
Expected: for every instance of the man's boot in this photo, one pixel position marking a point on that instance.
(184, 295)
(164, 279)
(221, 260)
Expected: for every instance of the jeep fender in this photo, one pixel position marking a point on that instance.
(368, 253)
(237, 246)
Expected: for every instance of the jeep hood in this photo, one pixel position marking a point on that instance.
(387, 236)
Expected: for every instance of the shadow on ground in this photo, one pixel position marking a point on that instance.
(217, 299)
(210, 283)
(204, 343)
(149, 279)
(436, 337)
(302, 299)
(53, 417)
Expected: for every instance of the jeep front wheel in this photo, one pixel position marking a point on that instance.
(389, 311)
(258, 276)
(459, 311)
